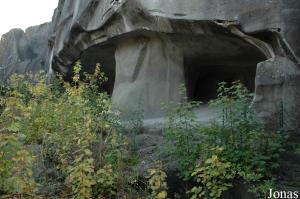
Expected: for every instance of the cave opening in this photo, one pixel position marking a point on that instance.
(105, 56)
(209, 61)
(202, 81)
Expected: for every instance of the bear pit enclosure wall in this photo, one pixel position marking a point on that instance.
(148, 48)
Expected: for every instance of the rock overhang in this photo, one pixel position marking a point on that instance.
(101, 21)
(116, 19)
(211, 32)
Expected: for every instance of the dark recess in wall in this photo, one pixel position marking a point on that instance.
(106, 59)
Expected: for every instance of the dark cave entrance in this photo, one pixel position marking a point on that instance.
(211, 60)
(105, 56)
(202, 81)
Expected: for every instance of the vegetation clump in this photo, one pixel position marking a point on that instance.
(77, 132)
(231, 150)
(62, 139)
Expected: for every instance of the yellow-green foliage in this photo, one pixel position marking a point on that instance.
(81, 142)
(15, 165)
(74, 124)
(242, 151)
(106, 180)
(214, 177)
(157, 183)
(16, 159)
(82, 175)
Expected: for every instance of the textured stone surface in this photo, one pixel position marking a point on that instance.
(22, 52)
(141, 78)
(277, 93)
(150, 47)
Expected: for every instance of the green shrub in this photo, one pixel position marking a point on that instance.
(15, 165)
(106, 181)
(253, 153)
(248, 154)
(76, 128)
(81, 141)
(157, 182)
(181, 135)
(215, 175)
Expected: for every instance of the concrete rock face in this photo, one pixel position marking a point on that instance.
(149, 47)
(22, 52)
(144, 80)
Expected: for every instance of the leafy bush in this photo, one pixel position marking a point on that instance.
(215, 175)
(86, 155)
(16, 159)
(181, 134)
(106, 181)
(253, 153)
(247, 154)
(15, 165)
(77, 129)
(157, 182)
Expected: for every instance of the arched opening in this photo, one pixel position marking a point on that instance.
(213, 60)
(202, 82)
(218, 56)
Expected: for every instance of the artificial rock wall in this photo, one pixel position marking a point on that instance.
(151, 47)
(148, 48)
(140, 77)
(24, 51)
